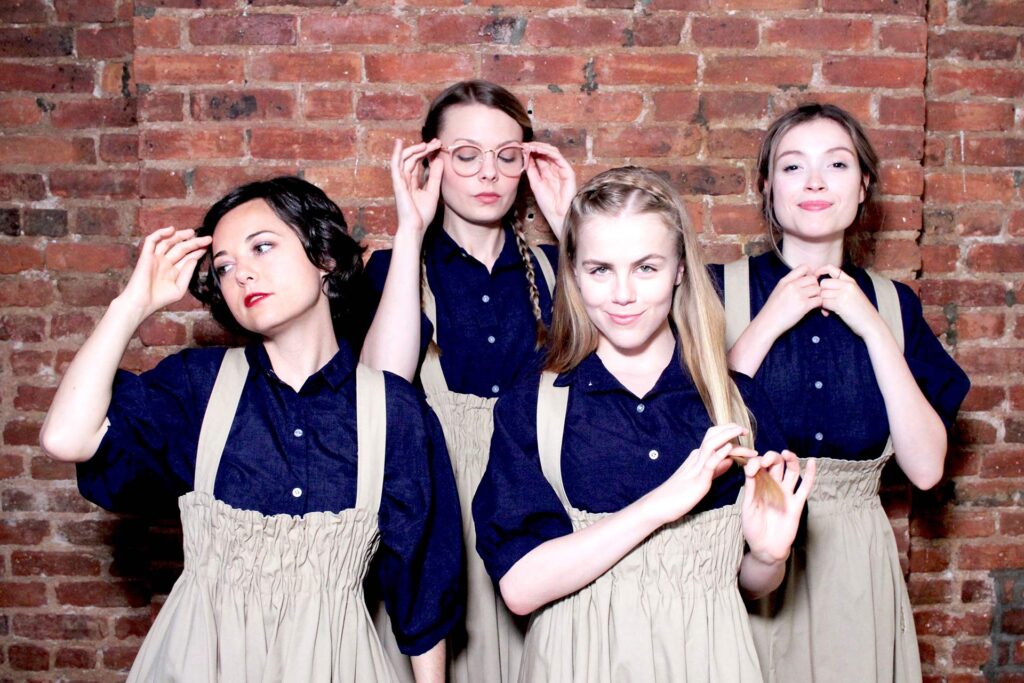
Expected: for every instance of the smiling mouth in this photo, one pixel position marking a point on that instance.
(253, 299)
(815, 206)
(621, 319)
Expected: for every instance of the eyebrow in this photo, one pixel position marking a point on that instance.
(480, 145)
(248, 239)
(643, 259)
(827, 151)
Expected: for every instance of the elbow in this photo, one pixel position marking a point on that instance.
(58, 446)
(927, 480)
(516, 599)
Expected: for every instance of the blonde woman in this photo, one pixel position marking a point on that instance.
(610, 508)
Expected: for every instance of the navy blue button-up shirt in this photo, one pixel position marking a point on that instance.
(617, 447)
(291, 453)
(819, 377)
(485, 324)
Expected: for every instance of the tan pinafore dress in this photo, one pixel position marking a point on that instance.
(669, 612)
(494, 644)
(272, 598)
(842, 612)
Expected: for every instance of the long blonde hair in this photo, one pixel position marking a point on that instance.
(697, 313)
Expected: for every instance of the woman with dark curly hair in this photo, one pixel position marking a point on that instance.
(294, 464)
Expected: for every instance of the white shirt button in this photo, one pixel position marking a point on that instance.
(640, 407)
(815, 339)
(296, 492)
(653, 455)
(818, 385)
(490, 339)
(819, 436)
(298, 433)
(494, 389)
(485, 298)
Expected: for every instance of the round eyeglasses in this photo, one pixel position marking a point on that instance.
(467, 160)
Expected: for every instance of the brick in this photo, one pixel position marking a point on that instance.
(676, 105)
(159, 331)
(75, 658)
(390, 106)
(19, 111)
(95, 113)
(23, 532)
(956, 188)
(116, 79)
(422, 68)
(119, 658)
(724, 31)
(190, 143)
(901, 179)
(632, 141)
(972, 45)
(44, 78)
(707, 180)
(657, 31)
(154, 218)
(983, 398)
(449, 29)
(15, 258)
(910, 7)
(971, 654)
(902, 111)
(897, 254)
(894, 215)
(33, 149)
(45, 222)
(190, 4)
(993, 152)
(673, 69)
(101, 594)
(26, 291)
(737, 219)
(994, 361)
(59, 627)
(24, 657)
(976, 81)
(773, 5)
(905, 38)
(50, 41)
(104, 43)
(90, 220)
(214, 182)
(939, 258)
(21, 328)
(533, 69)
(30, 363)
(996, 258)
(734, 143)
(596, 107)
(954, 525)
(86, 12)
(245, 105)
(874, 72)
(991, 12)
(131, 627)
(22, 594)
(156, 32)
(990, 556)
(253, 29)
(31, 398)
(288, 144)
(929, 560)
(296, 67)
(119, 148)
(23, 12)
(929, 591)
(856, 103)
(355, 29)
(588, 32)
(778, 71)
(158, 107)
(969, 116)
(811, 34)
(87, 257)
(161, 184)
(94, 184)
(187, 69)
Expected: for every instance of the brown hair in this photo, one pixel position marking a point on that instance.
(856, 244)
(697, 313)
(496, 97)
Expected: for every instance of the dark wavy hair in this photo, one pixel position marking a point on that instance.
(323, 232)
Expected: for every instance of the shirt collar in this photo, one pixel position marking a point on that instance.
(335, 373)
(441, 244)
(592, 376)
(779, 269)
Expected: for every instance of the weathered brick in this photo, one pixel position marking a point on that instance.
(253, 29)
(588, 32)
(355, 29)
(536, 69)
(242, 105)
(50, 41)
(427, 67)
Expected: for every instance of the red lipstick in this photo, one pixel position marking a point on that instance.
(254, 298)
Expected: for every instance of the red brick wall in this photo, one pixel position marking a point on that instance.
(119, 117)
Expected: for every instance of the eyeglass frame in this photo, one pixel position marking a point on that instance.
(483, 152)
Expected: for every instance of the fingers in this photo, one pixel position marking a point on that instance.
(405, 162)
(807, 483)
(719, 436)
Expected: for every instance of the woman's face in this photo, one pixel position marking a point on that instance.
(483, 197)
(267, 280)
(627, 267)
(817, 184)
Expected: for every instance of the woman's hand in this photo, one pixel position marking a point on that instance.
(553, 182)
(841, 294)
(692, 480)
(167, 259)
(794, 297)
(768, 529)
(415, 200)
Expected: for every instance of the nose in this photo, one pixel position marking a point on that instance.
(244, 274)
(815, 180)
(489, 166)
(624, 292)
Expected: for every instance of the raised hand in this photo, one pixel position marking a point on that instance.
(167, 259)
(553, 182)
(796, 294)
(415, 198)
(770, 529)
(841, 294)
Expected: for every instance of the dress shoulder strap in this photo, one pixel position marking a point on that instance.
(888, 305)
(431, 374)
(220, 413)
(371, 437)
(737, 299)
(552, 405)
(545, 268)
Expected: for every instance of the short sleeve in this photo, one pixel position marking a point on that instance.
(377, 274)
(767, 431)
(147, 456)
(515, 509)
(419, 566)
(941, 380)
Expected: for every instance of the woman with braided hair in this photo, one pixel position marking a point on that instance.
(465, 303)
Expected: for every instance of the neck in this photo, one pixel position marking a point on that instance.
(482, 242)
(639, 369)
(302, 349)
(796, 252)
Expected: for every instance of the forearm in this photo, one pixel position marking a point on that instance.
(752, 346)
(918, 434)
(758, 577)
(76, 421)
(564, 565)
(429, 666)
(393, 340)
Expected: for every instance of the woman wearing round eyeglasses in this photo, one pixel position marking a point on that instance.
(465, 304)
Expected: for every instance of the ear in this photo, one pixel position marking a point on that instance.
(680, 273)
(864, 189)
